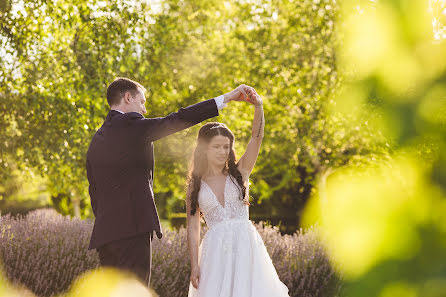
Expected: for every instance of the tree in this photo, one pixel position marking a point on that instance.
(182, 52)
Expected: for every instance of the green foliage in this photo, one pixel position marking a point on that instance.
(21, 190)
(59, 58)
(385, 222)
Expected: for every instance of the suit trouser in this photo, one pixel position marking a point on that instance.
(133, 254)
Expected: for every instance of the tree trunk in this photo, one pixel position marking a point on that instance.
(75, 200)
(322, 188)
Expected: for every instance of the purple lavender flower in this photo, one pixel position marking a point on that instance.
(45, 251)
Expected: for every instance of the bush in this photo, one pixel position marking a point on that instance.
(45, 252)
(301, 262)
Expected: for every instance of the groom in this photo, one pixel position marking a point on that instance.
(120, 164)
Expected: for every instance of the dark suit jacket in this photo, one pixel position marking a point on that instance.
(120, 165)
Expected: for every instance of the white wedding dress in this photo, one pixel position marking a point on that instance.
(233, 259)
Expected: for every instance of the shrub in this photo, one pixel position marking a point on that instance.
(301, 262)
(45, 252)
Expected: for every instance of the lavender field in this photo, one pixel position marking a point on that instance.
(45, 251)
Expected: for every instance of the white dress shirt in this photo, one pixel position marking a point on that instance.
(219, 101)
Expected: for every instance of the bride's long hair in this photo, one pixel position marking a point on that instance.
(199, 164)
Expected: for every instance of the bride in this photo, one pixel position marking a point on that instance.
(231, 260)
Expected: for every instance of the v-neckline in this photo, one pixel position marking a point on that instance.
(224, 192)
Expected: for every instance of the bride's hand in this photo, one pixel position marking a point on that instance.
(195, 276)
(253, 97)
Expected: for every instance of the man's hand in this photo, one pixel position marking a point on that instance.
(238, 94)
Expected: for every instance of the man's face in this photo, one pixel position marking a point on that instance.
(137, 102)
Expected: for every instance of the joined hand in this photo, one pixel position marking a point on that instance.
(253, 97)
(244, 93)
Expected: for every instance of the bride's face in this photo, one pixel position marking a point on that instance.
(218, 150)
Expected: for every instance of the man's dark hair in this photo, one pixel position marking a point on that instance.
(118, 87)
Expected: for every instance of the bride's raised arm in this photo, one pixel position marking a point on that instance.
(248, 160)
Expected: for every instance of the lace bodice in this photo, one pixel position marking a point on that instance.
(214, 212)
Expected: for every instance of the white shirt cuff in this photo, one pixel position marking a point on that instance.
(219, 101)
